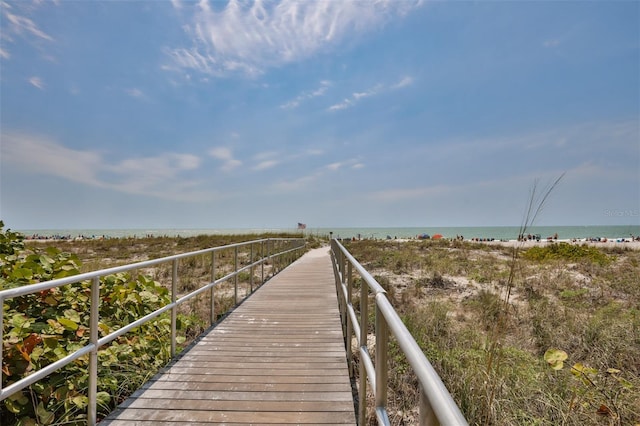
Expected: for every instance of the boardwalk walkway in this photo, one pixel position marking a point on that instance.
(279, 358)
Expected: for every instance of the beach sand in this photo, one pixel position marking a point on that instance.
(609, 243)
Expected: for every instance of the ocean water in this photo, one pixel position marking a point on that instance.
(496, 232)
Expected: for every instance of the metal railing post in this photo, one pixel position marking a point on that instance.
(381, 364)
(251, 269)
(212, 292)
(272, 263)
(349, 324)
(174, 309)
(262, 263)
(364, 335)
(92, 415)
(426, 415)
(235, 277)
(343, 282)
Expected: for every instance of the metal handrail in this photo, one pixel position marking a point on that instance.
(436, 404)
(95, 343)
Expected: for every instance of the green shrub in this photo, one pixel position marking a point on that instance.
(567, 252)
(41, 328)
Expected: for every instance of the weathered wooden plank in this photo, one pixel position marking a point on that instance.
(238, 405)
(227, 417)
(256, 372)
(162, 423)
(260, 365)
(286, 357)
(169, 394)
(248, 387)
(220, 378)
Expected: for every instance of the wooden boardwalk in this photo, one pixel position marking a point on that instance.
(279, 358)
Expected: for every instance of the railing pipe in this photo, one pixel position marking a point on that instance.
(251, 270)
(436, 404)
(174, 309)
(349, 318)
(235, 277)
(437, 394)
(381, 362)
(364, 355)
(212, 295)
(47, 285)
(426, 415)
(93, 355)
(44, 372)
(262, 264)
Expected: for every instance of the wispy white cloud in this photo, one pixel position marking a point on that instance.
(225, 155)
(292, 185)
(36, 82)
(404, 82)
(19, 25)
(352, 163)
(266, 164)
(135, 93)
(270, 159)
(41, 155)
(250, 37)
(320, 91)
(355, 98)
(303, 182)
(368, 93)
(342, 105)
(158, 176)
(333, 166)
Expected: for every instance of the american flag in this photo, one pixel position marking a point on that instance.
(302, 225)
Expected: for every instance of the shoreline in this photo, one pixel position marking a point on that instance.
(633, 244)
(604, 243)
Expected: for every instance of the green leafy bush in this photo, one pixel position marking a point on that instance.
(568, 252)
(41, 328)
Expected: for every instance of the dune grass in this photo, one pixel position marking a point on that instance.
(579, 300)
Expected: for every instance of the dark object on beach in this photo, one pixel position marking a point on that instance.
(424, 237)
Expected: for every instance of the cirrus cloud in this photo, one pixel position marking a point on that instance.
(250, 37)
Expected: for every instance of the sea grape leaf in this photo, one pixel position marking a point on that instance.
(103, 399)
(45, 417)
(28, 421)
(20, 320)
(72, 314)
(555, 358)
(68, 324)
(80, 401)
(22, 273)
(12, 406)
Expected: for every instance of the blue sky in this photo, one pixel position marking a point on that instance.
(159, 114)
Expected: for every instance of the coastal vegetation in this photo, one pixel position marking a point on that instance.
(44, 327)
(567, 350)
(551, 340)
